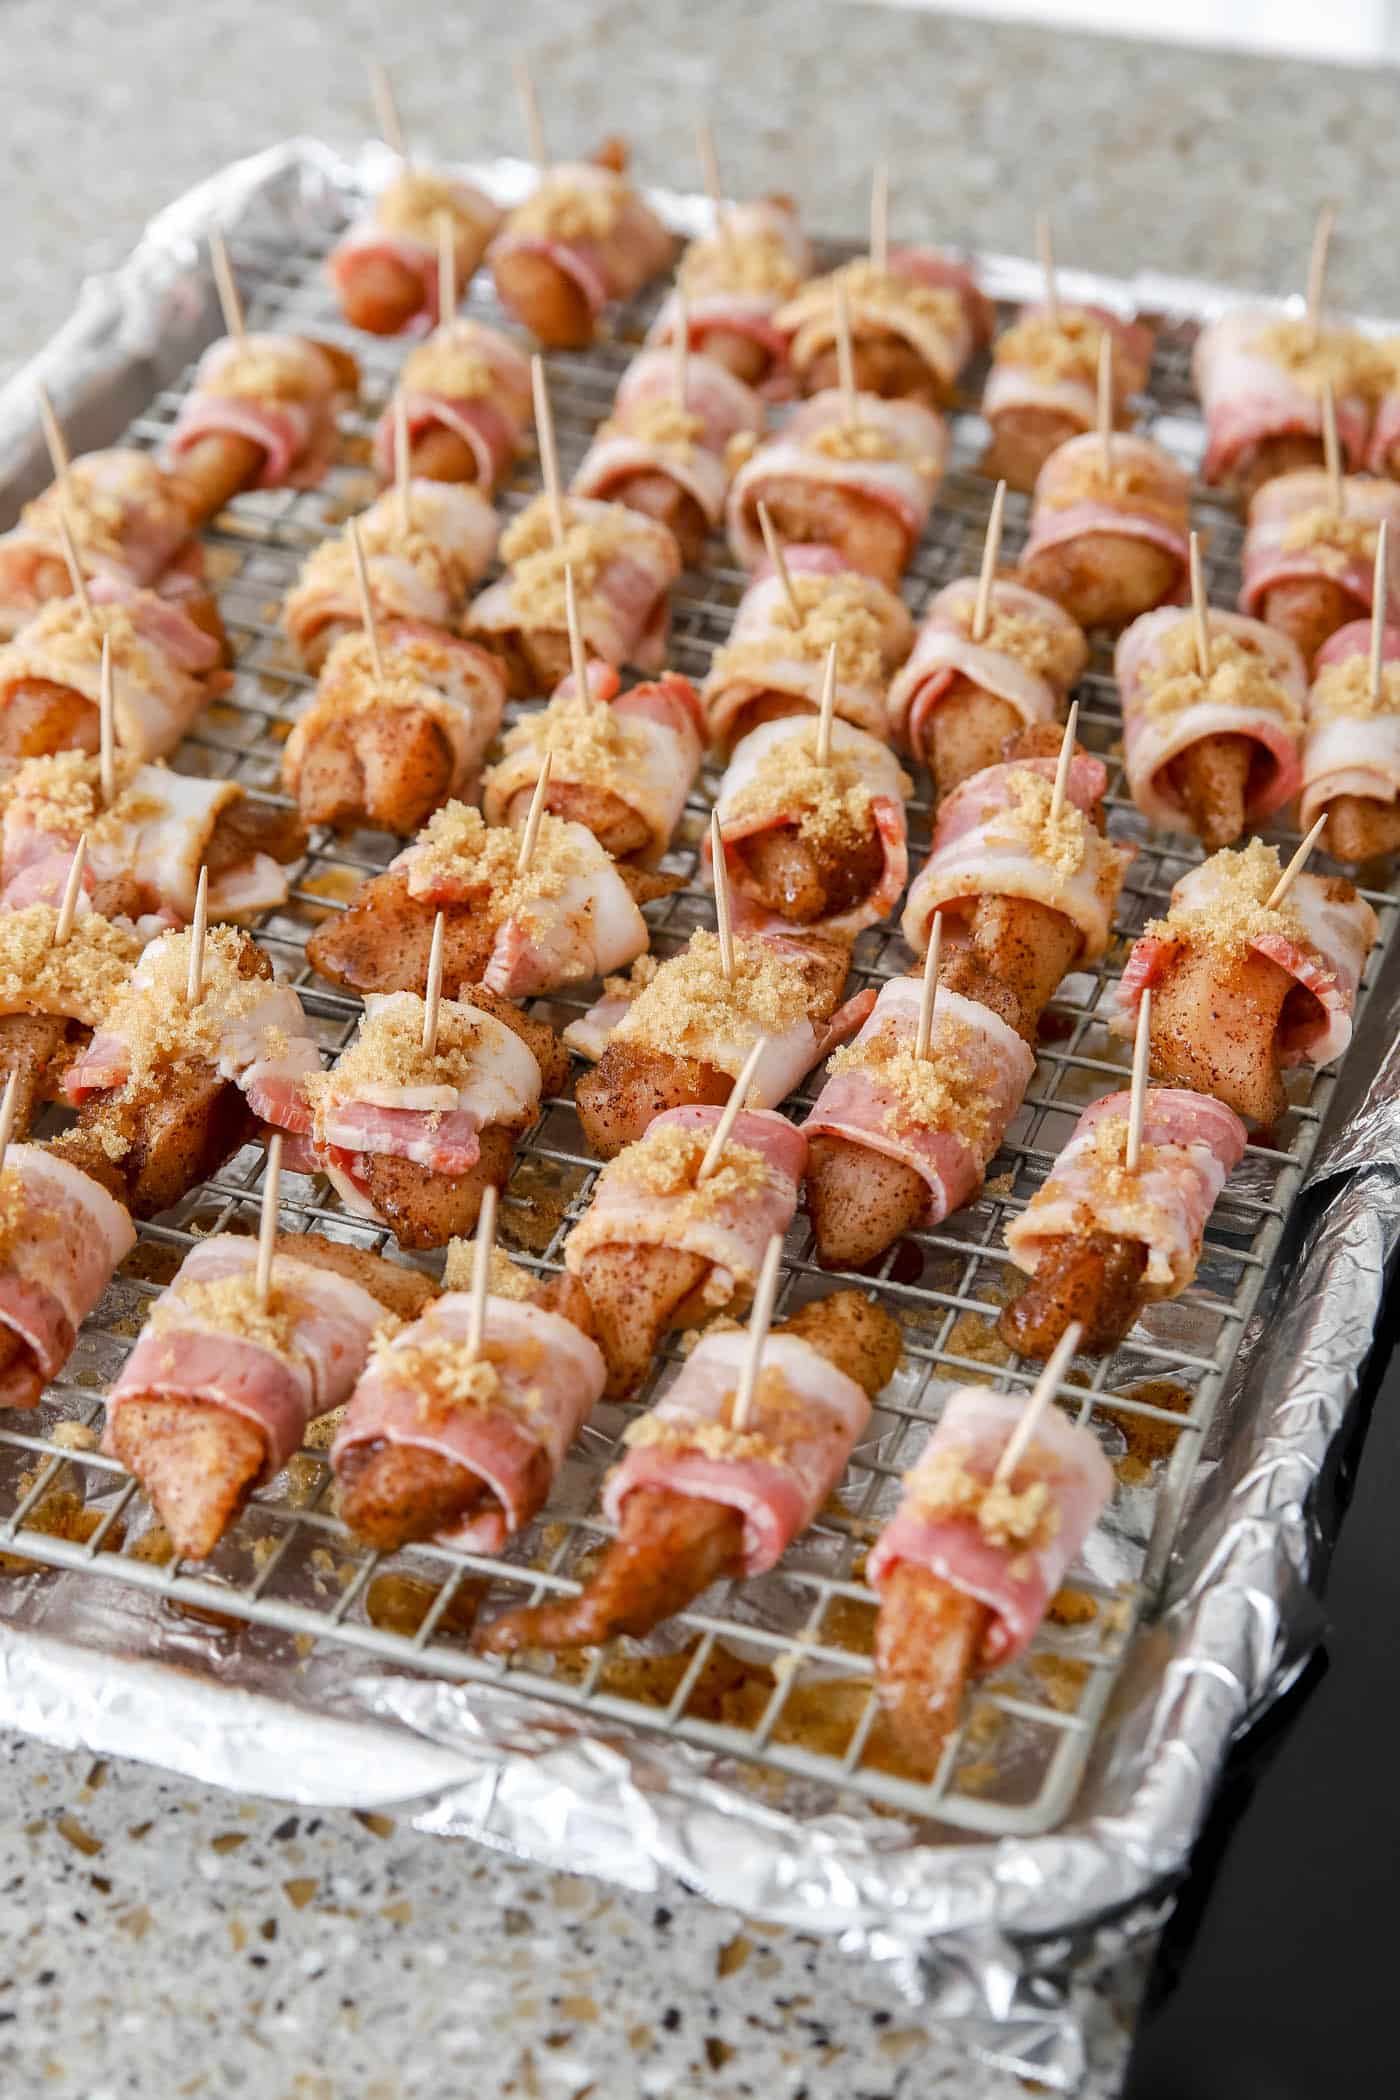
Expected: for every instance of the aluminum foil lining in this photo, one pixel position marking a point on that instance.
(990, 1935)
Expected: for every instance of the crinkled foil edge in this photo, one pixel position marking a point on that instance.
(990, 1935)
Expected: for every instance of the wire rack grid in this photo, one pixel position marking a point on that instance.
(773, 1676)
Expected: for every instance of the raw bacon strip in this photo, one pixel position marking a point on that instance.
(773, 782)
(993, 838)
(1147, 497)
(1256, 689)
(1257, 380)
(894, 455)
(1030, 656)
(1190, 1145)
(508, 1415)
(624, 565)
(63, 1237)
(128, 526)
(403, 227)
(471, 380)
(629, 1208)
(927, 300)
(767, 653)
(423, 574)
(1320, 939)
(947, 1122)
(1352, 742)
(280, 392)
(203, 1343)
(1013, 1575)
(592, 225)
(1294, 535)
(643, 745)
(779, 1470)
(1051, 362)
(163, 665)
(649, 432)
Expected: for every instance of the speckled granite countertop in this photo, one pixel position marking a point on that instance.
(169, 1940)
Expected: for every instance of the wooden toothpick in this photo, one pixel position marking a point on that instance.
(386, 110)
(1296, 865)
(1061, 787)
(1105, 400)
(1137, 1103)
(53, 434)
(733, 1109)
(1317, 268)
(578, 655)
(530, 111)
(75, 565)
(432, 991)
(529, 837)
(229, 301)
(367, 619)
(773, 547)
(549, 451)
(880, 217)
(72, 890)
(760, 1320)
(1200, 610)
(7, 1114)
(681, 350)
(107, 728)
(827, 713)
(267, 1223)
(482, 1248)
(709, 168)
(845, 356)
(403, 461)
(1332, 451)
(1045, 249)
(199, 927)
(447, 266)
(991, 549)
(1380, 594)
(1041, 1395)
(720, 869)
(929, 992)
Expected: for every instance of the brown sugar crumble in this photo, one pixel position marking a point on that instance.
(691, 1009)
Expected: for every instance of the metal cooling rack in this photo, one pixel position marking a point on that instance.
(772, 1674)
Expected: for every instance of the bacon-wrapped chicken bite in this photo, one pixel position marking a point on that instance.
(774, 665)
(1042, 388)
(166, 1091)
(165, 667)
(217, 1393)
(444, 1441)
(957, 700)
(1210, 755)
(966, 1568)
(1309, 569)
(669, 459)
(1261, 377)
(419, 572)
(1109, 542)
(1241, 989)
(583, 239)
(1100, 1239)
(899, 1141)
(570, 915)
(62, 1236)
(621, 762)
(818, 843)
(412, 1137)
(734, 281)
(914, 326)
(1025, 896)
(388, 752)
(467, 403)
(261, 414)
(623, 564)
(129, 525)
(681, 1035)
(1351, 747)
(385, 270)
(54, 993)
(660, 1249)
(146, 848)
(696, 1498)
(863, 485)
